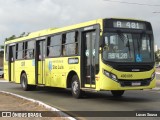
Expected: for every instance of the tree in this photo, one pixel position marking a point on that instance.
(157, 55)
(14, 36)
(21, 35)
(11, 38)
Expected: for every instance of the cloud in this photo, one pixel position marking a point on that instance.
(19, 16)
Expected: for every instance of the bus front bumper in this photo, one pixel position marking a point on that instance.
(109, 84)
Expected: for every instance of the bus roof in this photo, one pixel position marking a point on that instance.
(49, 31)
(45, 32)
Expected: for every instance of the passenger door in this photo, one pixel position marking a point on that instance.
(89, 59)
(40, 60)
(11, 62)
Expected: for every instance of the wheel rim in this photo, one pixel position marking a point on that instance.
(75, 87)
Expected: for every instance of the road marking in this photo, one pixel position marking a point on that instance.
(158, 73)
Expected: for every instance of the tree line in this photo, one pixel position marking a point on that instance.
(14, 36)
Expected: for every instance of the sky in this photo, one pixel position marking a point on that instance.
(18, 16)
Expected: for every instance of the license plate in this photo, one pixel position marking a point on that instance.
(136, 83)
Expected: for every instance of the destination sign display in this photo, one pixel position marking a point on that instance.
(129, 24)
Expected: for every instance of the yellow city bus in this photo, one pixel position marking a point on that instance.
(110, 54)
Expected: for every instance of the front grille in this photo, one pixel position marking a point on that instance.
(141, 82)
(130, 68)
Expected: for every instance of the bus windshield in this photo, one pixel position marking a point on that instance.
(127, 47)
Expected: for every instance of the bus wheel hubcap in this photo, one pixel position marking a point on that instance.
(23, 83)
(75, 87)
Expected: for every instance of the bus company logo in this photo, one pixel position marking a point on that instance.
(6, 114)
(126, 75)
(50, 65)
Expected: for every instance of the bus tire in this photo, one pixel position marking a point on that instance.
(24, 83)
(75, 87)
(117, 93)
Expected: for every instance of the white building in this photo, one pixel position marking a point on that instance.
(155, 48)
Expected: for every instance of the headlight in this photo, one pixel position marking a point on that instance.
(106, 73)
(113, 77)
(153, 76)
(110, 75)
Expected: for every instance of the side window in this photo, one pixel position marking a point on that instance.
(19, 50)
(29, 50)
(71, 43)
(54, 46)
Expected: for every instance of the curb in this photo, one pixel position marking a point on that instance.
(60, 113)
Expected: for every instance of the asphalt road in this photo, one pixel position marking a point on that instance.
(158, 76)
(141, 100)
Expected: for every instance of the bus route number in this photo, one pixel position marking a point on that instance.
(132, 25)
(128, 24)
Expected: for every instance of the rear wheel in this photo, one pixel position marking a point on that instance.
(75, 87)
(117, 93)
(24, 83)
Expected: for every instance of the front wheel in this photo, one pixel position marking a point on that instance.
(117, 93)
(75, 87)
